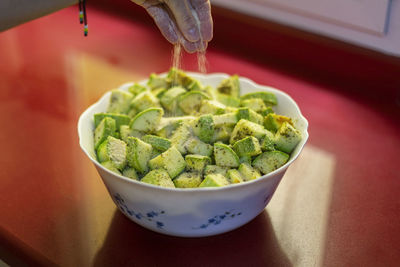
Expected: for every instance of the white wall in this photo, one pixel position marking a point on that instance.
(366, 28)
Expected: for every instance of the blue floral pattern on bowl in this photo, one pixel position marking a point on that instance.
(217, 219)
(150, 216)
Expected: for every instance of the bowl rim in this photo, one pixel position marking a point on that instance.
(202, 189)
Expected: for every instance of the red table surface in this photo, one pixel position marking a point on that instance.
(55, 210)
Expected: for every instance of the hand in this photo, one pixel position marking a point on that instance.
(187, 22)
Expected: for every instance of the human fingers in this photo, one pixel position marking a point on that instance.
(203, 11)
(164, 22)
(186, 22)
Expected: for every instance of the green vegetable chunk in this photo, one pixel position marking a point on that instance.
(214, 180)
(197, 162)
(113, 150)
(248, 146)
(250, 115)
(171, 160)
(210, 169)
(230, 86)
(147, 120)
(188, 180)
(204, 128)
(130, 173)
(119, 102)
(144, 100)
(120, 119)
(190, 102)
(139, 154)
(157, 142)
(256, 104)
(110, 166)
(248, 173)
(247, 128)
(287, 138)
(106, 128)
(234, 176)
(158, 177)
(273, 122)
(268, 98)
(270, 161)
(225, 156)
(170, 98)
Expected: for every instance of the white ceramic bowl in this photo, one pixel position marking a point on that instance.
(192, 212)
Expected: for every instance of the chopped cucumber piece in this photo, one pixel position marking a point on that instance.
(270, 161)
(268, 98)
(180, 138)
(136, 89)
(250, 115)
(156, 81)
(247, 128)
(287, 138)
(130, 173)
(273, 122)
(225, 119)
(188, 180)
(228, 100)
(248, 173)
(190, 102)
(196, 146)
(170, 98)
(230, 86)
(210, 169)
(225, 156)
(171, 160)
(110, 166)
(113, 150)
(106, 128)
(147, 120)
(211, 107)
(234, 176)
(248, 146)
(120, 119)
(197, 162)
(256, 104)
(214, 180)
(158, 177)
(119, 102)
(139, 154)
(204, 128)
(157, 142)
(179, 77)
(144, 100)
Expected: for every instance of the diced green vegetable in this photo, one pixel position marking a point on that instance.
(225, 156)
(270, 161)
(120, 119)
(147, 120)
(287, 138)
(214, 180)
(234, 176)
(268, 98)
(230, 86)
(247, 128)
(113, 150)
(248, 172)
(138, 154)
(197, 162)
(248, 146)
(256, 104)
(171, 160)
(204, 128)
(119, 102)
(130, 173)
(158, 177)
(190, 102)
(188, 180)
(106, 128)
(144, 100)
(157, 142)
